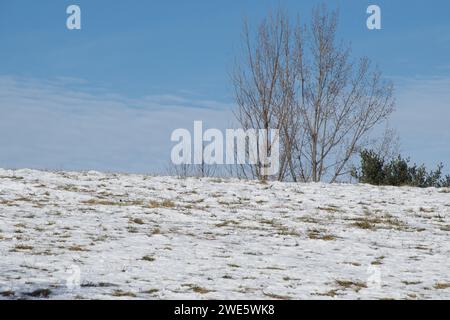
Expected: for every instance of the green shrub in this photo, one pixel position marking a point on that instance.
(397, 172)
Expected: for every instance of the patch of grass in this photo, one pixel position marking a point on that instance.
(227, 223)
(379, 222)
(120, 293)
(156, 231)
(344, 283)
(273, 268)
(332, 293)
(378, 260)
(216, 194)
(442, 285)
(307, 219)
(23, 247)
(285, 231)
(330, 208)
(97, 285)
(40, 293)
(15, 178)
(77, 248)
(150, 291)
(24, 199)
(280, 228)
(355, 264)
(70, 187)
(148, 258)
(225, 203)
(411, 283)
(269, 222)
(131, 229)
(168, 204)
(364, 224)
(276, 296)
(354, 285)
(233, 265)
(9, 203)
(316, 234)
(327, 237)
(97, 239)
(137, 221)
(161, 204)
(7, 293)
(198, 289)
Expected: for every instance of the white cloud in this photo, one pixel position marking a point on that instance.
(63, 124)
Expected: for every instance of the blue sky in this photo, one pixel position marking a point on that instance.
(107, 97)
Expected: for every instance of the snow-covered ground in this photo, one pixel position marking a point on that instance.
(103, 236)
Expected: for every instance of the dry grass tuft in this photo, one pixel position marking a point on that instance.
(316, 234)
(276, 296)
(354, 285)
(161, 204)
(442, 285)
(120, 293)
(148, 258)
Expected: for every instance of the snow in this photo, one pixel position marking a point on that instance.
(91, 235)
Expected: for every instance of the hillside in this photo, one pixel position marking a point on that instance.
(94, 235)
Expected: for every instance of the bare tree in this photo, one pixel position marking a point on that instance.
(258, 83)
(184, 170)
(192, 170)
(180, 171)
(302, 81)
